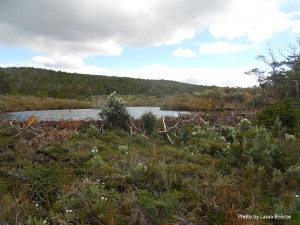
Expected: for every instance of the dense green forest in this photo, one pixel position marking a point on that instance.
(57, 84)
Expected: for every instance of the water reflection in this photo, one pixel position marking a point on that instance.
(81, 114)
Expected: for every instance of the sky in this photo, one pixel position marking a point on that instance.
(194, 41)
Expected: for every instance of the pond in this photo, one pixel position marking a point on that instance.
(82, 114)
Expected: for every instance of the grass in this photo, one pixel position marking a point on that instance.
(23, 103)
(208, 100)
(68, 172)
(9, 103)
(190, 102)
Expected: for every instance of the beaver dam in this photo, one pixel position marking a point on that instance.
(206, 168)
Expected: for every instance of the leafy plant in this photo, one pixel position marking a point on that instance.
(288, 113)
(114, 112)
(148, 122)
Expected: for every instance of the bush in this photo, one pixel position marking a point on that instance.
(244, 125)
(148, 122)
(114, 112)
(288, 113)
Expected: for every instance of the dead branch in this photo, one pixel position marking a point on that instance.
(171, 128)
(132, 125)
(165, 131)
(202, 120)
(102, 128)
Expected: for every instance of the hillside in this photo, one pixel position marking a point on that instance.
(57, 84)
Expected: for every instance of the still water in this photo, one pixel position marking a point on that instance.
(81, 114)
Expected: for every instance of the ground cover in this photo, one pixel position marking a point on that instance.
(218, 169)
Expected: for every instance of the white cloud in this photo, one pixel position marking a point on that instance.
(199, 75)
(95, 27)
(68, 63)
(222, 47)
(257, 20)
(184, 52)
(59, 61)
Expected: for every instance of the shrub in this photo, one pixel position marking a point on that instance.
(229, 133)
(148, 122)
(114, 112)
(258, 100)
(288, 113)
(244, 125)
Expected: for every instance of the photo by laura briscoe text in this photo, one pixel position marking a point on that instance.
(264, 216)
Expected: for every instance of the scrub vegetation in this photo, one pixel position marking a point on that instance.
(97, 172)
(212, 167)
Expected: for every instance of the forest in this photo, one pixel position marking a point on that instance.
(57, 84)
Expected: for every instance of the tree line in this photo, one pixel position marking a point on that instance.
(58, 84)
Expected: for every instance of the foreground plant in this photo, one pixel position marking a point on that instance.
(114, 112)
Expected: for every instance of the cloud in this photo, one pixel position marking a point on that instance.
(102, 27)
(222, 47)
(59, 61)
(184, 52)
(65, 32)
(68, 63)
(257, 20)
(197, 75)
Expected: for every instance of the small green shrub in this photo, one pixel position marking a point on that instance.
(229, 133)
(244, 125)
(114, 112)
(148, 122)
(123, 149)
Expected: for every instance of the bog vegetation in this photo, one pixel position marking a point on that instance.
(164, 171)
(194, 169)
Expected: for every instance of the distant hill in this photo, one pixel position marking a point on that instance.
(57, 84)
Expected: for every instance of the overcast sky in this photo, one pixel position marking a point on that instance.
(197, 41)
